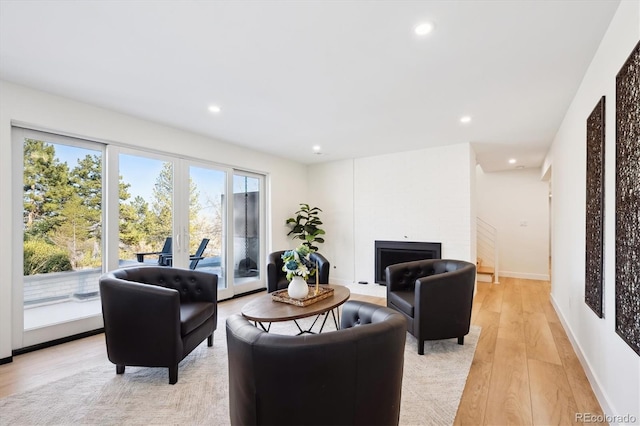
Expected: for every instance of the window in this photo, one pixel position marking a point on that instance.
(88, 207)
(62, 228)
(246, 228)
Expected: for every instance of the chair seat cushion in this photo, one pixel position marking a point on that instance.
(193, 315)
(403, 300)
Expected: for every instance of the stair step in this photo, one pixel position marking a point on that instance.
(486, 270)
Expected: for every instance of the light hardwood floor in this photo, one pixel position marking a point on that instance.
(524, 371)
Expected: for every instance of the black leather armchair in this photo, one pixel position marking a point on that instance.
(348, 377)
(277, 278)
(435, 296)
(155, 316)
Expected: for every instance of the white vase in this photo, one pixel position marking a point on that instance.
(298, 288)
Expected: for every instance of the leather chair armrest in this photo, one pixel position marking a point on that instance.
(323, 266)
(456, 287)
(140, 319)
(452, 284)
(274, 265)
(272, 277)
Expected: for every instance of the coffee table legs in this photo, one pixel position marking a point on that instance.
(256, 323)
(335, 313)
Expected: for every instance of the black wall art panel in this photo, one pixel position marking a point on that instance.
(628, 201)
(594, 249)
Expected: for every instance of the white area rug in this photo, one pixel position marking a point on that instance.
(431, 389)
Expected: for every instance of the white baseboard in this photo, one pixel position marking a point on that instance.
(340, 281)
(525, 275)
(368, 289)
(593, 381)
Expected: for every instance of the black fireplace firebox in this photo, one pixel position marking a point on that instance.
(392, 252)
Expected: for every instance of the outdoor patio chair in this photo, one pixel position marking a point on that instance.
(166, 251)
(167, 260)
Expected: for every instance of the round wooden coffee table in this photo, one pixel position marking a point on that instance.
(265, 310)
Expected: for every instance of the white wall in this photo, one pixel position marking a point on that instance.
(612, 366)
(21, 104)
(331, 189)
(516, 203)
(425, 195)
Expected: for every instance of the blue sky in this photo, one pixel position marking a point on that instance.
(141, 173)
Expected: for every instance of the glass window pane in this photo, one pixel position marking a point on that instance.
(206, 221)
(62, 230)
(146, 210)
(246, 228)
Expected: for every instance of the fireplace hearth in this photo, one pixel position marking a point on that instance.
(392, 252)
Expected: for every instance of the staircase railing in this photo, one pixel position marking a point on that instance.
(487, 248)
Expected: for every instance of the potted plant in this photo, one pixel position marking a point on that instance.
(305, 226)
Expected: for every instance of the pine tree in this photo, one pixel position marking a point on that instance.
(46, 188)
(161, 224)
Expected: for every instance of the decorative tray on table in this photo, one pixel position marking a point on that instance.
(311, 298)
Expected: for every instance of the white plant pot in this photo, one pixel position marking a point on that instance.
(298, 288)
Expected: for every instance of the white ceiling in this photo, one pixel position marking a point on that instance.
(350, 76)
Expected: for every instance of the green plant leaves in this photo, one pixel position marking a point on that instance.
(304, 226)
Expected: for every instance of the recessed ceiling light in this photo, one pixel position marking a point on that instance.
(424, 28)
(512, 161)
(214, 109)
(316, 148)
(465, 119)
